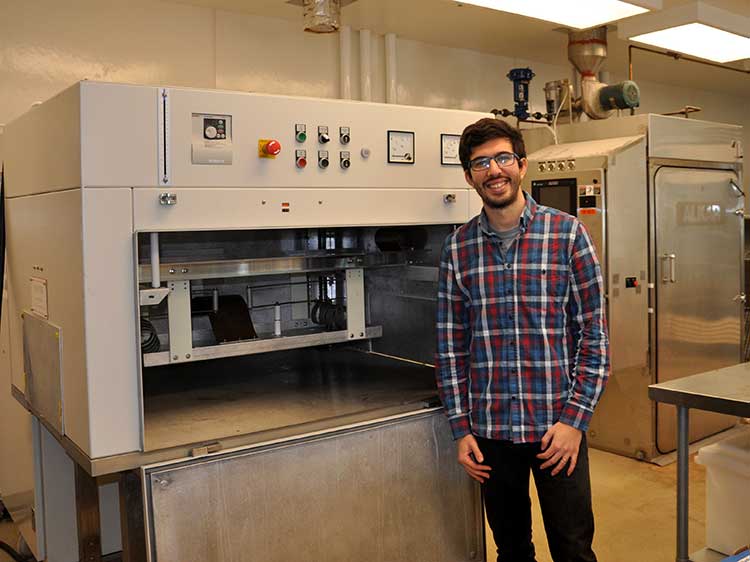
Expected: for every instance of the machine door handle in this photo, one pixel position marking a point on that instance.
(742, 297)
(671, 258)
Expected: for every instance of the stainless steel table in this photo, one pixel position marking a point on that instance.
(726, 391)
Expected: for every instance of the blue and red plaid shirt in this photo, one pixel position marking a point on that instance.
(522, 335)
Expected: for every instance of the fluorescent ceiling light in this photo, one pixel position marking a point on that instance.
(699, 40)
(697, 29)
(579, 14)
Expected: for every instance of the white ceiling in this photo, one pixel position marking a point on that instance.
(448, 23)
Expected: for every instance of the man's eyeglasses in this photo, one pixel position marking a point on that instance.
(502, 159)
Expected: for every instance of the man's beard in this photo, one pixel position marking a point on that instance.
(507, 201)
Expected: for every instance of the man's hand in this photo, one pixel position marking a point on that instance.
(560, 447)
(468, 453)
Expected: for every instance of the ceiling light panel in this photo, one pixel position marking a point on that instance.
(578, 14)
(695, 28)
(699, 40)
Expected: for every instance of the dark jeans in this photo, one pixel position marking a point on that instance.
(565, 502)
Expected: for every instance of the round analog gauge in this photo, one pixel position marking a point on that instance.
(401, 147)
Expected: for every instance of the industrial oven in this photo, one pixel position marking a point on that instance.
(662, 199)
(234, 294)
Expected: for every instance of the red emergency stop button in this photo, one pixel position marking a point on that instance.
(268, 148)
(272, 147)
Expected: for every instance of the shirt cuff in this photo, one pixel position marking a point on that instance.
(460, 426)
(575, 416)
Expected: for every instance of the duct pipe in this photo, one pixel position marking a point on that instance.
(391, 73)
(345, 57)
(322, 16)
(575, 81)
(587, 50)
(365, 67)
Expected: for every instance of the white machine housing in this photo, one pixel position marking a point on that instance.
(97, 169)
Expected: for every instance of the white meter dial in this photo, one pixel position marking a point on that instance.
(401, 147)
(449, 150)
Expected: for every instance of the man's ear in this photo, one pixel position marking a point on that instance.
(523, 167)
(467, 177)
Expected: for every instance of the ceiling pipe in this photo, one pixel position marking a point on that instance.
(345, 60)
(322, 16)
(365, 65)
(391, 71)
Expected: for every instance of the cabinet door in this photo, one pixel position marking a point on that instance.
(389, 491)
(698, 256)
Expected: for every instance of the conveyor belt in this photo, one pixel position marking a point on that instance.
(210, 400)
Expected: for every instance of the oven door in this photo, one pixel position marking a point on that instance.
(388, 490)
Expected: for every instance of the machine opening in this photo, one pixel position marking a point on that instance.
(273, 332)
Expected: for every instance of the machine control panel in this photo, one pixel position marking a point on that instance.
(274, 141)
(211, 139)
(214, 128)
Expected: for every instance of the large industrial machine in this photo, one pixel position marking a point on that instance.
(233, 295)
(662, 199)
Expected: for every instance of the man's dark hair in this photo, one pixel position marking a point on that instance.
(488, 129)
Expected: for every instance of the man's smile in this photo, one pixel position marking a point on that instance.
(496, 184)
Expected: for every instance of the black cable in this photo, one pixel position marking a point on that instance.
(10, 551)
(149, 338)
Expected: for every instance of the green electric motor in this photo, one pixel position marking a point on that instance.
(625, 95)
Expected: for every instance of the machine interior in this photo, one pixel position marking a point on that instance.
(282, 299)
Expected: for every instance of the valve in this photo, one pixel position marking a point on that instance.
(521, 78)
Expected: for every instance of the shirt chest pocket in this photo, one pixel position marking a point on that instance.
(554, 280)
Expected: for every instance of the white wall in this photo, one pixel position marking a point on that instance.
(44, 49)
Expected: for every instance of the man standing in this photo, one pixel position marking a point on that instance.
(523, 353)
